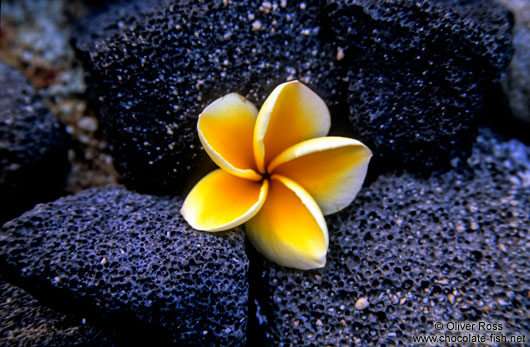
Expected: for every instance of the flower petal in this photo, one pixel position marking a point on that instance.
(221, 201)
(331, 169)
(292, 113)
(290, 229)
(226, 128)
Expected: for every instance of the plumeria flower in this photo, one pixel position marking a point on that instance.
(278, 173)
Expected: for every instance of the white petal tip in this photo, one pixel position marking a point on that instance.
(307, 264)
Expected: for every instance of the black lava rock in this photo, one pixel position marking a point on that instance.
(130, 261)
(25, 322)
(409, 252)
(419, 73)
(153, 66)
(33, 147)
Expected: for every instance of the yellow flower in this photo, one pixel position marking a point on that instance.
(278, 173)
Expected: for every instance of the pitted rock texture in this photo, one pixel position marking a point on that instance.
(409, 252)
(154, 67)
(411, 74)
(129, 261)
(33, 147)
(25, 322)
(419, 73)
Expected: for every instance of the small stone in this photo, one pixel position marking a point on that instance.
(361, 304)
(451, 299)
(256, 25)
(340, 53)
(89, 124)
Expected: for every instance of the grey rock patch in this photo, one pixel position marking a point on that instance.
(517, 83)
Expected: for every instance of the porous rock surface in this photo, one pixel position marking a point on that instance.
(130, 262)
(419, 73)
(33, 147)
(411, 74)
(409, 252)
(154, 65)
(25, 322)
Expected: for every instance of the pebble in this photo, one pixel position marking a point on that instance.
(361, 304)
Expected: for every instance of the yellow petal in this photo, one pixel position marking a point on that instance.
(226, 129)
(331, 169)
(290, 229)
(292, 113)
(221, 201)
